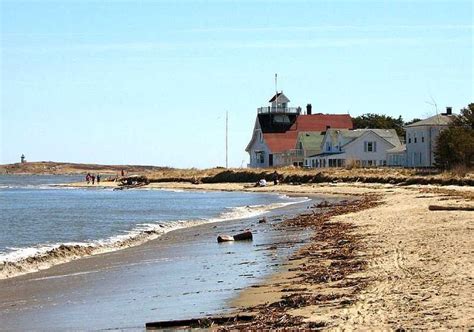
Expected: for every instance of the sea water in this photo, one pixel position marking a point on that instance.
(38, 219)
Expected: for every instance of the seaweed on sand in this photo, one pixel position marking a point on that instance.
(331, 261)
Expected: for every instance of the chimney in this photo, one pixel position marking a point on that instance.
(449, 110)
(309, 109)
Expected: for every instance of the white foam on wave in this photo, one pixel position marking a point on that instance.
(20, 261)
(38, 187)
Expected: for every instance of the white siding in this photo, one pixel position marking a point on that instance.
(258, 146)
(367, 150)
(357, 150)
(421, 145)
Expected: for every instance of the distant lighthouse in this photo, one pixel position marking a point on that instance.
(23, 159)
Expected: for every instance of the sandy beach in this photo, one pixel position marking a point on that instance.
(418, 271)
(415, 271)
(387, 262)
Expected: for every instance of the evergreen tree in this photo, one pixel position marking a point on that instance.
(376, 121)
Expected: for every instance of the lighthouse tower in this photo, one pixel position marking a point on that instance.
(23, 159)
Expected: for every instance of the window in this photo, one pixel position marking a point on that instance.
(370, 146)
(415, 139)
(260, 156)
(409, 139)
(422, 139)
(328, 146)
(261, 136)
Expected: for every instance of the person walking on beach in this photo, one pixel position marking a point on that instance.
(88, 178)
(275, 178)
(98, 178)
(93, 179)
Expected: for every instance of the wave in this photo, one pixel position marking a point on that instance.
(26, 260)
(38, 186)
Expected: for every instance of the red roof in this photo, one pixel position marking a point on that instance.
(319, 122)
(280, 142)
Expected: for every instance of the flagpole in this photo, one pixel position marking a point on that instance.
(276, 93)
(227, 139)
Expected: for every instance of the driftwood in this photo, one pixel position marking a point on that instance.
(134, 180)
(198, 322)
(450, 208)
(225, 238)
(247, 235)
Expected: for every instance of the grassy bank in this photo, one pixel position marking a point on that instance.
(288, 175)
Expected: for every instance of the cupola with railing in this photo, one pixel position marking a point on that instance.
(279, 104)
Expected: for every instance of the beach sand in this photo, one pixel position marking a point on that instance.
(418, 270)
(394, 264)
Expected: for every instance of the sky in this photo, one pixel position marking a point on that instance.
(149, 82)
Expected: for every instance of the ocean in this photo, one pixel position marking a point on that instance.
(39, 219)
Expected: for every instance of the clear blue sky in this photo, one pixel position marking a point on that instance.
(148, 82)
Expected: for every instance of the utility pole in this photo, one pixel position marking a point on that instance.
(227, 139)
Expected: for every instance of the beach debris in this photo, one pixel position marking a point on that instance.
(334, 243)
(261, 183)
(132, 181)
(450, 208)
(225, 238)
(263, 220)
(205, 322)
(247, 235)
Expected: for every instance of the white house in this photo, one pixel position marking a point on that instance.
(363, 147)
(284, 135)
(421, 139)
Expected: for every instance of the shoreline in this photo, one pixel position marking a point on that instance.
(62, 253)
(405, 254)
(410, 274)
(183, 273)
